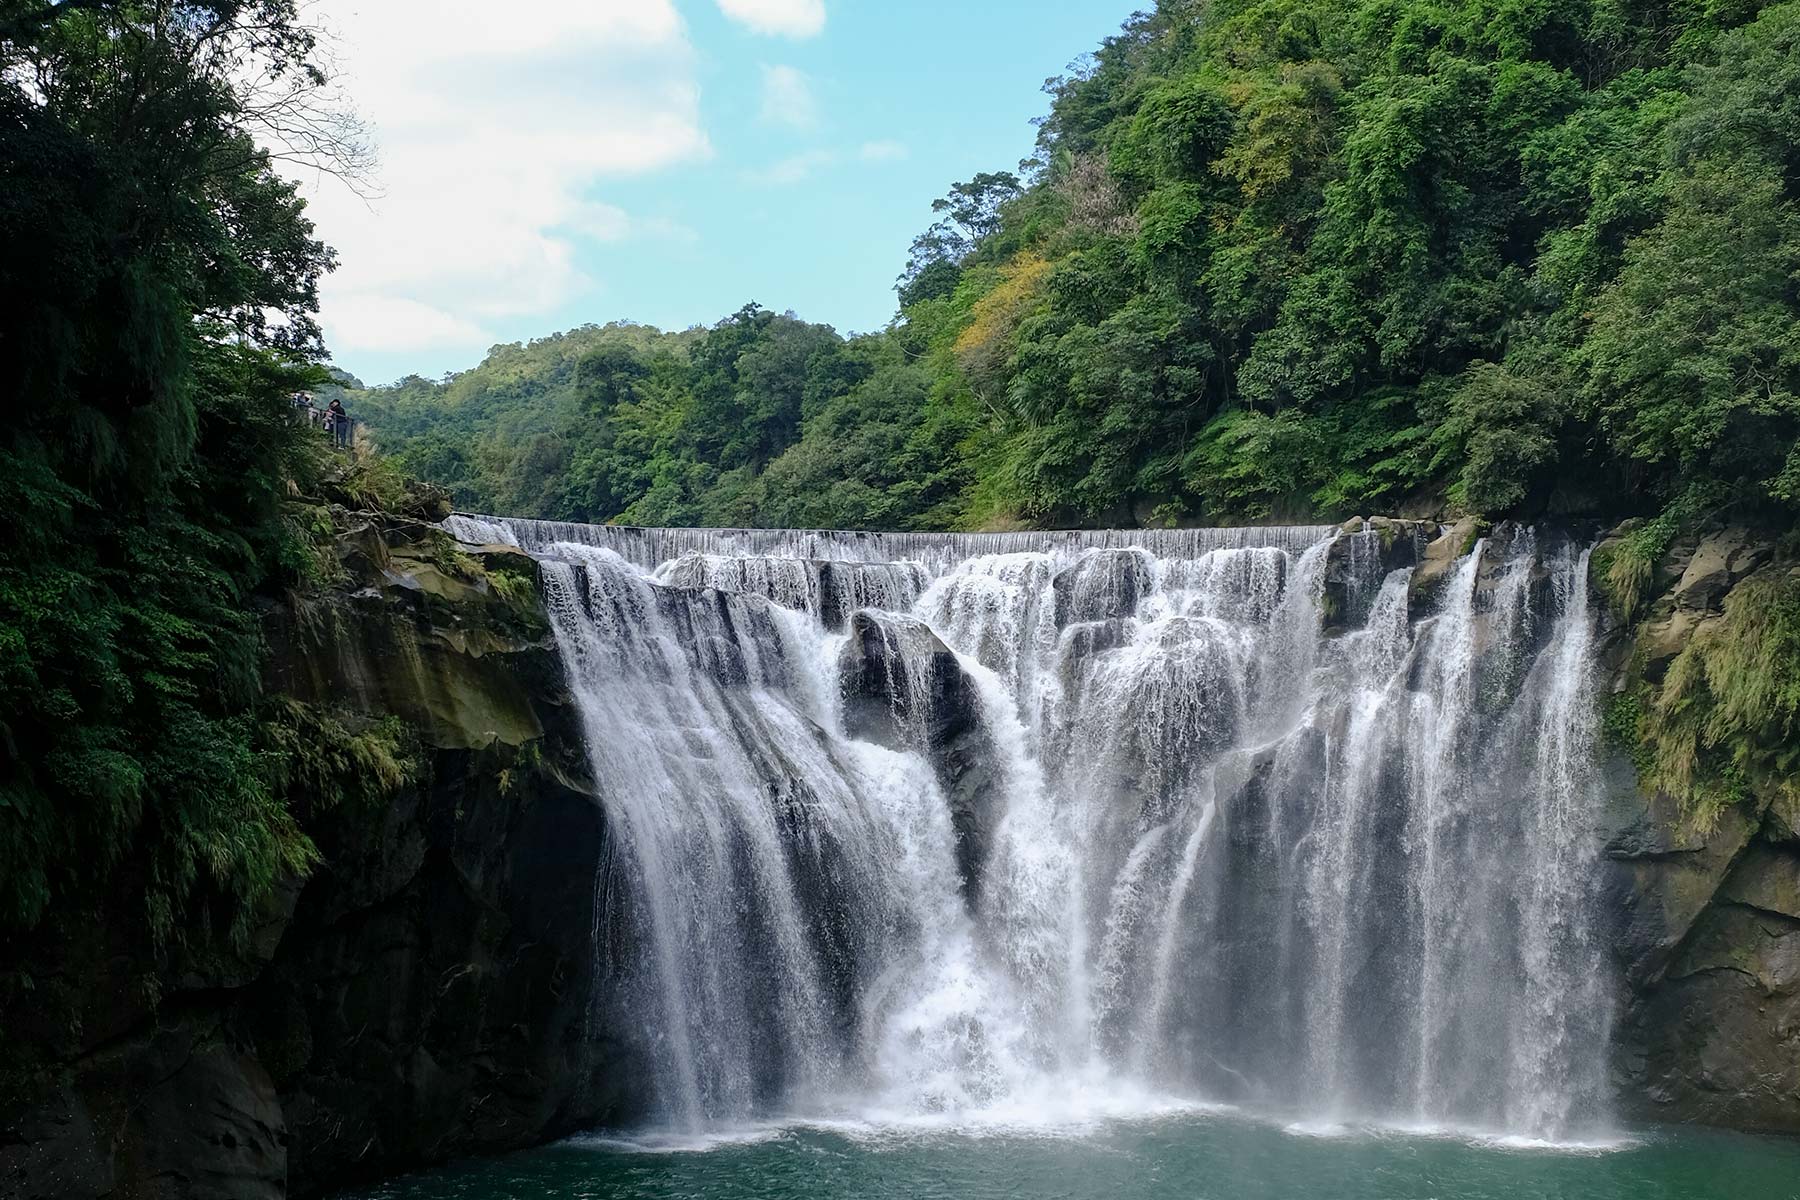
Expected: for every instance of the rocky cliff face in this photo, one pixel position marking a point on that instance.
(1703, 910)
(1706, 911)
(427, 993)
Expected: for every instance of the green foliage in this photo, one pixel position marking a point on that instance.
(314, 756)
(369, 481)
(1628, 566)
(1503, 429)
(1695, 348)
(1296, 257)
(157, 287)
(517, 590)
(763, 419)
(1726, 721)
(1257, 464)
(1179, 129)
(1622, 718)
(968, 217)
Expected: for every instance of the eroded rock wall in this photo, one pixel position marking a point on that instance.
(1705, 912)
(428, 992)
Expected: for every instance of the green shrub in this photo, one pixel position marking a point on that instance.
(1631, 564)
(1726, 722)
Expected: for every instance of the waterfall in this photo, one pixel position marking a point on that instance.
(1046, 824)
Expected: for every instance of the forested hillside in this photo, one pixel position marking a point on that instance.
(158, 285)
(1270, 259)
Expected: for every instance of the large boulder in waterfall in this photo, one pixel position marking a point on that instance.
(1360, 558)
(904, 688)
(1102, 585)
(1439, 559)
(1510, 596)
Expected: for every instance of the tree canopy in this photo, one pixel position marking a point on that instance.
(158, 283)
(1271, 258)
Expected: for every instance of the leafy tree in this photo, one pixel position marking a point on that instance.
(158, 282)
(1695, 349)
(968, 216)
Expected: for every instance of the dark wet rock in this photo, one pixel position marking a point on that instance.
(1661, 875)
(1717, 1039)
(1082, 642)
(1102, 585)
(904, 688)
(1361, 557)
(1704, 916)
(166, 1115)
(448, 1017)
(1440, 559)
(210, 1125)
(427, 993)
(51, 1151)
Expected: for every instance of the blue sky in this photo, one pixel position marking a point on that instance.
(559, 162)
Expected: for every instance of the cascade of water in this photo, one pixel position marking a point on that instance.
(650, 548)
(1256, 821)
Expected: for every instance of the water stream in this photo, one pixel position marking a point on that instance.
(1137, 819)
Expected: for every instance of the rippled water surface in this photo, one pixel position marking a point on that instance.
(1193, 1156)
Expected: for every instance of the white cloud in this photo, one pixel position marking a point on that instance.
(665, 228)
(390, 323)
(610, 223)
(494, 126)
(795, 168)
(602, 222)
(787, 98)
(789, 18)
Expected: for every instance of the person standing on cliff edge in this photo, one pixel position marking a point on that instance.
(339, 420)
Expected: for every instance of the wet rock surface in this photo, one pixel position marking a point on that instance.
(1103, 585)
(1362, 556)
(1705, 916)
(427, 993)
(1716, 1037)
(904, 688)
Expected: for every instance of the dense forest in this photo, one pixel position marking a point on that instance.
(158, 285)
(1271, 259)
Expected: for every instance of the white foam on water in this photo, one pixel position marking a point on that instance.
(1497, 1140)
(726, 1138)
